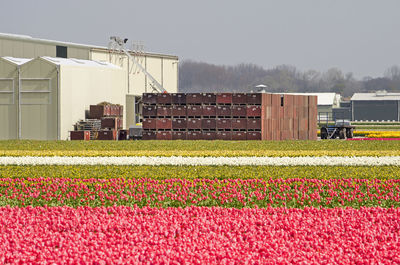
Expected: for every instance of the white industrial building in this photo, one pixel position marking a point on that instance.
(46, 86)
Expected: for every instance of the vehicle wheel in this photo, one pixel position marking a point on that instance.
(324, 133)
(342, 134)
(349, 132)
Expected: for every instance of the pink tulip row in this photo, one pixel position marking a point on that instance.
(199, 235)
(297, 193)
(373, 139)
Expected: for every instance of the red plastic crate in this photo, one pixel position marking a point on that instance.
(107, 135)
(194, 111)
(253, 136)
(209, 98)
(80, 135)
(224, 123)
(209, 110)
(194, 123)
(179, 135)
(238, 136)
(164, 123)
(179, 111)
(164, 98)
(224, 111)
(179, 98)
(253, 111)
(210, 124)
(239, 111)
(253, 124)
(149, 123)
(179, 124)
(194, 135)
(149, 135)
(239, 98)
(194, 98)
(224, 98)
(165, 111)
(224, 136)
(149, 98)
(149, 111)
(209, 135)
(254, 98)
(164, 135)
(239, 124)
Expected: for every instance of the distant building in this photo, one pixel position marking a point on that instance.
(378, 106)
(326, 103)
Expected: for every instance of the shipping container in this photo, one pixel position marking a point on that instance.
(224, 98)
(179, 124)
(239, 124)
(253, 111)
(164, 123)
(224, 111)
(194, 98)
(224, 124)
(194, 111)
(148, 111)
(164, 135)
(194, 123)
(237, 135)
(209, 135)
(239, 111)
(179, 111)
(239, 98)
(254, 98)
(164, 98)
(149, 123)
(209, 110)
(209, 98)
(178, 98)
(164, 111)
(209, 124)
(194, 135)
(224, 135)
(80, 135)
(179, 135)
(149, 135)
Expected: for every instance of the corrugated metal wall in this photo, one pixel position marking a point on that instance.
(375, 110)
(39, 101)
(8, 100)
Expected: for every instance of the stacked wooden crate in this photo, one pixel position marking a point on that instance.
(226, 116)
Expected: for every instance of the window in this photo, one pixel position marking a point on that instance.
(281, 100)
(61, 51)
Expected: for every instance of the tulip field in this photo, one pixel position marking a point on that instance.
(200, 202)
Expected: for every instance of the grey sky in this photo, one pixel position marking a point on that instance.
(359, 36)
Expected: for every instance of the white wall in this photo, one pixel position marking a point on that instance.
(81, 87)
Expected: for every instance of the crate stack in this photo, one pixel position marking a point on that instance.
(104, 123)
(228, 116)
(202, 116)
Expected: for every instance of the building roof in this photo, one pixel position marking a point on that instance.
(78, 62)
(16, 61)
(379, 95)
(70, 44)
(322, 98)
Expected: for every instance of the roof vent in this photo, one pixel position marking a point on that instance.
(380, 93)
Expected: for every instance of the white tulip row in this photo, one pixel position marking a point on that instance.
(197, 161)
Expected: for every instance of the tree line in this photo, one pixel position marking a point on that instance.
(204, 77)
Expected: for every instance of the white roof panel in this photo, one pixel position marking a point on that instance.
(375, 96)
(323, 98)
(79, 62)
(16, 61)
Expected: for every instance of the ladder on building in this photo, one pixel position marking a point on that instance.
(118, 44)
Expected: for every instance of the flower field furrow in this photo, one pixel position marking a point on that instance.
(234, 161)
(200, 172)
(199, 235)
(237, 193)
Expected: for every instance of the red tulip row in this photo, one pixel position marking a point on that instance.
(199, 235)
(237, 193)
